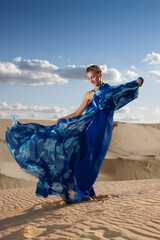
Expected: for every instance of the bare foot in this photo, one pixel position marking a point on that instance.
(87, 199)
(94, 197)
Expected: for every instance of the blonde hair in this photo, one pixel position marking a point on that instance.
(94, 68)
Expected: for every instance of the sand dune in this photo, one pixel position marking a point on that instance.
(10, 182)
(134, 153)
(129, 209)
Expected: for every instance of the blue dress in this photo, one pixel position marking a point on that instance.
(66, 158)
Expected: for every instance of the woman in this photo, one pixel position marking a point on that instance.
(67, 156)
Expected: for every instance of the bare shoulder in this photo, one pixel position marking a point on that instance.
(89, 95)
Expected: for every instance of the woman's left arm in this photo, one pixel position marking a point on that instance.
(125, 93)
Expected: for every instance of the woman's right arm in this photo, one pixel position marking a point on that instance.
(80, 110)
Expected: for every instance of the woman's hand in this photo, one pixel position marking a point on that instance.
(140, 81)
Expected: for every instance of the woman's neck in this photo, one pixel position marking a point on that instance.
(98, 86)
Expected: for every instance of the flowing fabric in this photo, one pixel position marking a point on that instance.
(66, 158)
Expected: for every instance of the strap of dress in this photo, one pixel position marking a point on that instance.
(93, 90)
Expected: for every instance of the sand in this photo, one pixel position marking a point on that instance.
(130, 209)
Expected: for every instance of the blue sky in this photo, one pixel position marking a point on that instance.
(46, 45)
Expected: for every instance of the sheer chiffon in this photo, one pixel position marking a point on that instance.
(66, 158)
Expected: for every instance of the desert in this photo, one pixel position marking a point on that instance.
(128, 181)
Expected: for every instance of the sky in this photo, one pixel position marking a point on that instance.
(46, 45)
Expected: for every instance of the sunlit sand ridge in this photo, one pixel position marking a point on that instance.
(128, 210)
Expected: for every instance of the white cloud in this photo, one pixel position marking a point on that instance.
(152, 58)
(132, 74)
(21, 115)
(40, 72)
(79, 72)
(34, 108)
(124, 118)
(32, 112)
(35, 116)
(44, 116)
(56, 116)
(142, 108)
(32, 72)
(4, 115)
(9, 68)
(34, 64)
(155, 75)
(131, 119)
(8, 115)
(112, 74)
(125, 109)
(133, 67)
(157, 110)
(72, 72)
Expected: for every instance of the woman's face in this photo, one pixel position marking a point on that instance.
(94, 78)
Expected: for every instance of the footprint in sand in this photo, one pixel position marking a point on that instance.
(106, 233)
(32, 232)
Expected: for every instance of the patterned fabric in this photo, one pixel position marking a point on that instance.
(66, 158)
